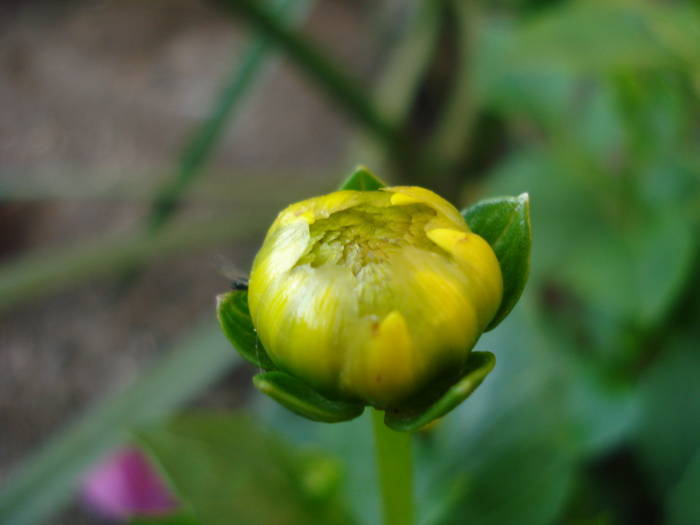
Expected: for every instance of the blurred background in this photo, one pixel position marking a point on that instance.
(146, 146)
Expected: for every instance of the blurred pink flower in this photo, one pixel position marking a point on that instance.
(125, 485)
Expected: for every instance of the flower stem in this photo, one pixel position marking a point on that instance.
(395, 467)
(312, 60)
(247, 68)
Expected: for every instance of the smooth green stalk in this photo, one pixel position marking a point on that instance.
(334, 82)
(401, 77)
(207, 136)
(395, 467)
(39, 274)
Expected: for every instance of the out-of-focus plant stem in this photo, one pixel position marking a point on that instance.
(450, 140)
(401, 78)
(334, 82)
(204, 140)
(454, 128)
(39, 274)
(395, 468)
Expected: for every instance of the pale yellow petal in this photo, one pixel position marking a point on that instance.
(382, 370)
(302, 323)
(404, 195)
(479, 262)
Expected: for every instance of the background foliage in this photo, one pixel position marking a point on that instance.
(592, 414)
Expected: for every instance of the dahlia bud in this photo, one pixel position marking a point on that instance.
(376, 296)
(370, 295)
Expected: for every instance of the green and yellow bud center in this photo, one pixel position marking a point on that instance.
(367, 235)
(370, 295)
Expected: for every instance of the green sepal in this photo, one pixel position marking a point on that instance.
(297, 396)
(234, 318)
(417, 415)
(362, 180)
(505, 224)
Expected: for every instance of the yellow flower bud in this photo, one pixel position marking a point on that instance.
(370, 295)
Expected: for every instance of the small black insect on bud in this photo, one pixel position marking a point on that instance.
(239, 284)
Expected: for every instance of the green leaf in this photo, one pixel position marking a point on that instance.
(505, 224)
(46, 481)
(602, 36)
(234, 319)
(527, 482)
(230, 470)
(350, 440)
(509, 454)
(477, 368)
(669, 426)
(301, 399)
(362, 180)
(682, 500)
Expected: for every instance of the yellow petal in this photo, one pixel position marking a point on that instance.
(322, 207)
(303, 321)
(477, 259)
(403, 195)
(383, 371)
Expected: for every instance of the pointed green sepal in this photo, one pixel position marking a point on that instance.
(234, 318)
(505, 224)
(418, 415)
(301, 399)
(362, 180)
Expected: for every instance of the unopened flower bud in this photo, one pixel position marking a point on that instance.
(370, 295)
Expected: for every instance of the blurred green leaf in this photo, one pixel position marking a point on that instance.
(682, 502)
(178, 519)
(609, 245)
(594, 36)
(523, 483)
(551, 66)
(658, 278)
(565, 214)
(351, 441)
(628, 268)
(475, 371)
(509, 454)
(301, 399)
(603, 413)
(46, 481)
(361, 179)
(652, 108)
(505, 224)
(667, 436)
(234, 319)
(231, 470)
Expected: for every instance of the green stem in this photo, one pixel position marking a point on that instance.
(395, 466)
(41, 273)
(336, 84)
(207, 136)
